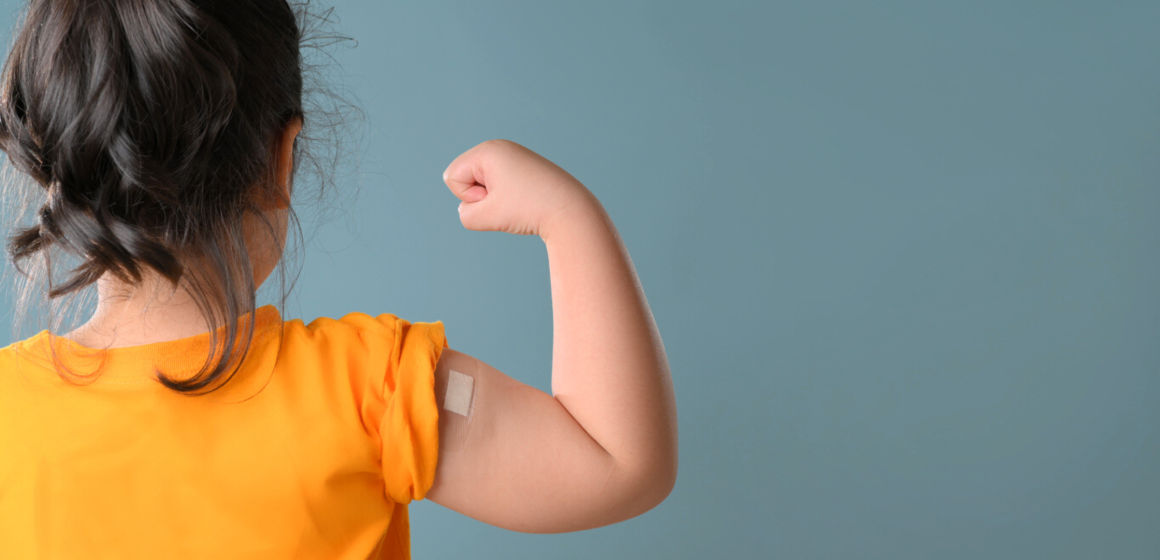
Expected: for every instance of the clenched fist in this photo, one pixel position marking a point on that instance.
(504, 186)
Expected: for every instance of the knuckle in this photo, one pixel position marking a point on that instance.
(499, 144)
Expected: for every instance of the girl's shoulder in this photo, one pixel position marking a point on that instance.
(353, 327)
(374, 337)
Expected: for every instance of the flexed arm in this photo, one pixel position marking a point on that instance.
(603, 447)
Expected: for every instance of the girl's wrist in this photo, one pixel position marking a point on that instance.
(583, 213)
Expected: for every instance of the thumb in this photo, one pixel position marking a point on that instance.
(473, 215)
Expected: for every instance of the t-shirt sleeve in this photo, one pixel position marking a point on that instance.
(409, 428)
(390, 364)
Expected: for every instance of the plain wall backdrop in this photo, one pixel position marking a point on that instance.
(903, 256)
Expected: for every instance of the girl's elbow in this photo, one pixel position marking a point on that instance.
(664, 473)
(653, 485)
(666, 481)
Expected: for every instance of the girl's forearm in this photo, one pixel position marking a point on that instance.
(609, 368)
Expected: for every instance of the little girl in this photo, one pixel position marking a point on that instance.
(182, 421)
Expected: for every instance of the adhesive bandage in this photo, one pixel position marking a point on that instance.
(460, 389)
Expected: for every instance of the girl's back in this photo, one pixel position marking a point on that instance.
(182, 421)
(313, 449)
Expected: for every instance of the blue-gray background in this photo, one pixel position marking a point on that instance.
(903, 256)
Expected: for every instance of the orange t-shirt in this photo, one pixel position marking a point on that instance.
(312, 450)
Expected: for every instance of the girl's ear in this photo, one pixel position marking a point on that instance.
(285, 164)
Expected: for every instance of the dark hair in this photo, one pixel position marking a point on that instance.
(150, 127)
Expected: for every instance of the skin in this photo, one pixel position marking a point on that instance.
(600, 449)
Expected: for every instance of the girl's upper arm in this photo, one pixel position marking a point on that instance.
(512, 456)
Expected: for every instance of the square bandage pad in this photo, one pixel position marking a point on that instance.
(460, 388)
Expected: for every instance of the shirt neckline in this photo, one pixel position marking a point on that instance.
(176, 358)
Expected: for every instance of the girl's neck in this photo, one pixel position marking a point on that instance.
(136, 315)
(155, 310)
